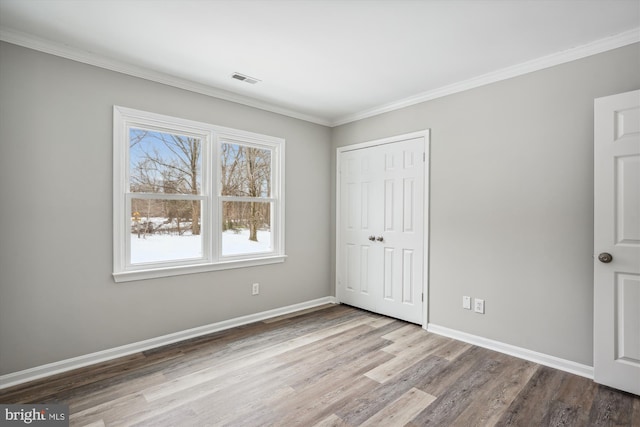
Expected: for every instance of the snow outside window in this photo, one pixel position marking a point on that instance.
(192, 197)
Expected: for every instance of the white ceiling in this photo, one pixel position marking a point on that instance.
(326, 61)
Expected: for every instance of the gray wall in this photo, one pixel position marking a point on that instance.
(511, 208)
(512, 199)
(57, 297)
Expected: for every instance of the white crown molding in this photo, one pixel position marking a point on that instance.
(578, 52)
(522, 353)
(78, 55)
(31, 374)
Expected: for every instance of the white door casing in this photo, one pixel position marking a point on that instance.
(617, 233)
(381, 257)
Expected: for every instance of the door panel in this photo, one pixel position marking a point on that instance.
(407, 277)
(382, 205)
(627, 301)
(627, 200)
(389, 199)
(408, 209)
(617, 232)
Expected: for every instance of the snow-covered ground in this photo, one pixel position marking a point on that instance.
(167, 247)
(234, 243)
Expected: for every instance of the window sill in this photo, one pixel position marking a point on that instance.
(129, 276)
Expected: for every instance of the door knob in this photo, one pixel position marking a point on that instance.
(605, 257)
(380, 238)
(372, 238)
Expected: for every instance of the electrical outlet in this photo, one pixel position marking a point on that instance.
(479, 306)
(466, 303)
(255, 289)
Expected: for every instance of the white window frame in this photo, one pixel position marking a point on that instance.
(211, 137)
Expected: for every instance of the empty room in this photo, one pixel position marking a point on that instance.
(320, 213)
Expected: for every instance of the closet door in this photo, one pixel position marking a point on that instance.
(381, 227)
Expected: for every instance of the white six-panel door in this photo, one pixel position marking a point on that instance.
(380, 256)
(617, 241)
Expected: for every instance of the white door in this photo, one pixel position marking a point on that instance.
(380, 254)
(617, 241)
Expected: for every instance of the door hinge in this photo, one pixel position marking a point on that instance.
(422, 295)
(424, 157)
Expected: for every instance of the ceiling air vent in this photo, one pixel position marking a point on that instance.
(243, 78)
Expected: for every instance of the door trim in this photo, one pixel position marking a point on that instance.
(425, 134)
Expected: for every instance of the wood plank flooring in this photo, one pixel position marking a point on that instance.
(334, 366)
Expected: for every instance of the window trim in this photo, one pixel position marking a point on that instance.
(211, 136)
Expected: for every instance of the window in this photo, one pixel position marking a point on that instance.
(192, 197)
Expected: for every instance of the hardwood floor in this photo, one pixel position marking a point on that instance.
(335, 366)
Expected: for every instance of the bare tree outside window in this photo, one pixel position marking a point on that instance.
(246, 173)
(167, 164)
(164, 174)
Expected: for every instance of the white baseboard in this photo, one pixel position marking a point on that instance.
(49, 369)
(523, 353)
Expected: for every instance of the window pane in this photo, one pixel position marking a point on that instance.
(165, 230)
(245, 171)
(246, 228)
(164, 163)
